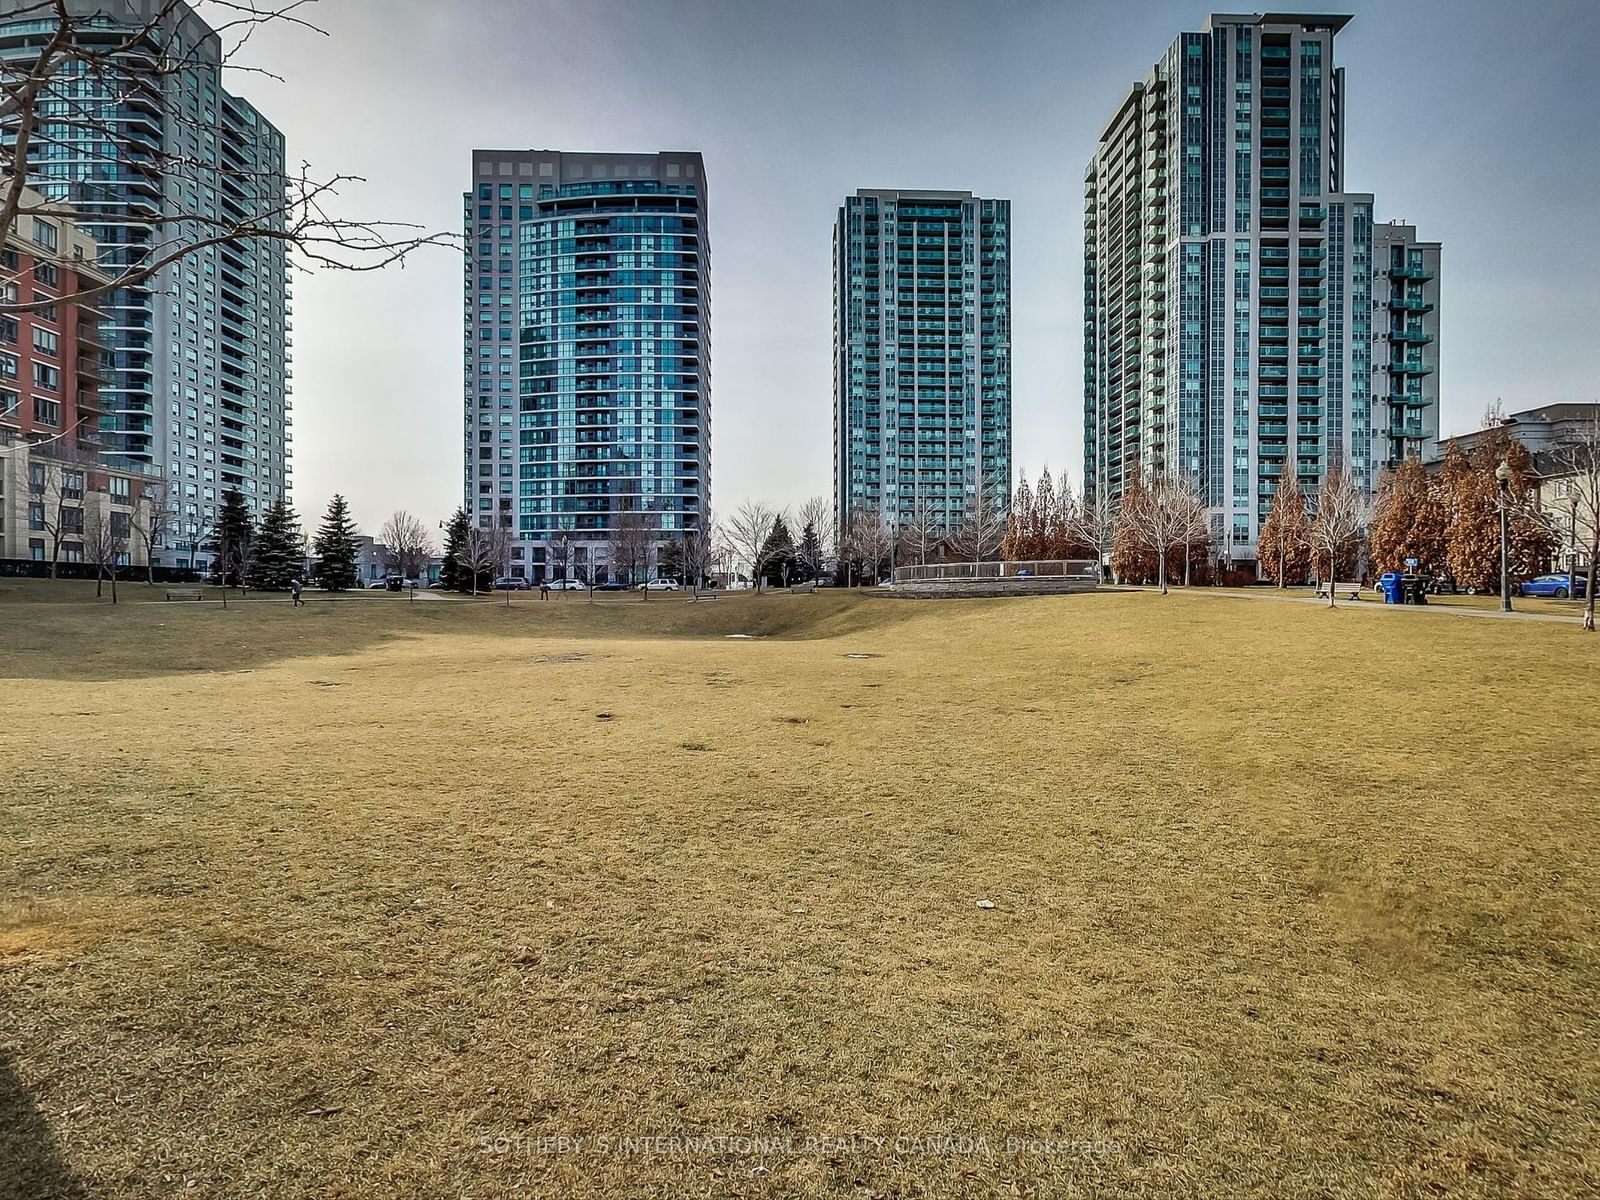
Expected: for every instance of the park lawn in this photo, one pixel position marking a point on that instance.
(370, 898)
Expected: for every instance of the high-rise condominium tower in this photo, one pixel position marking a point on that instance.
(1245, 319)
(587, 392)
(196, 361)
(921, 355)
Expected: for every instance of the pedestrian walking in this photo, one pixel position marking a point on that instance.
(544, 590)
(294, 592)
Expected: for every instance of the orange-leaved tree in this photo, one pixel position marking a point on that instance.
(1284, 545)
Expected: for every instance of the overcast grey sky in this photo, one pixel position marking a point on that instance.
(1479, 121)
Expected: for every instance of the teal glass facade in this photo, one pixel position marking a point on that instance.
(922, 355)
(197, 365)
(587, 362)
(1231, 283)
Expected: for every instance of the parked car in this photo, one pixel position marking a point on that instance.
(1558, 586)
(659, 585)
(1442, 585)
(510, 583)
(377, 585)
(613, 586)
(567, 585)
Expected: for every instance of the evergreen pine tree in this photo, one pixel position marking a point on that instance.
(278, 557)
(777, 555)
(808, 555)
(234, 533)
(452, 575)
(335, 547)
(669, 559)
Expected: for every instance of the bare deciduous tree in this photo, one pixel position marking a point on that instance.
(1343, 512)
(1197, 525)
(105, 543)
(407, 545)
(922, 532)
(817, 515)
(1094, 523)
(633, 535)
(558, 555)
(700, 550)
(483, 549)
(155, 518)
(747, 535)
(983, 525)
(868, 543)
(58, 497)
(89, 62)
(1160, 517)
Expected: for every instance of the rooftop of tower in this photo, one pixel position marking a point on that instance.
(1333, 21)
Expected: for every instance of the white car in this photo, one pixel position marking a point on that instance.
(567, 585)
(659, 585)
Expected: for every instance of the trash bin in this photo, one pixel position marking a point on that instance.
(1389, 581)
(1413, 589)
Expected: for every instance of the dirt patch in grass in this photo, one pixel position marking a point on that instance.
(1287, 904)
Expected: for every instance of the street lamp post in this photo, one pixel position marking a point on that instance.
(1502, 475)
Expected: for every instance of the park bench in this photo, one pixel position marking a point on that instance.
(1350, 591)
(185, 594)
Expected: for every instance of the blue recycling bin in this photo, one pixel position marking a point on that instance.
(1389, 581)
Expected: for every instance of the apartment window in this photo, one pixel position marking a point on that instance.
(46, 412)
(8, 366)
(46, 377)
(72, 487)
(36, 516)
(8, 330)
(121, 490)
(46, 342)
(45, 273)
(44, 234)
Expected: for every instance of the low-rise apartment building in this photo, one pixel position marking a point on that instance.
(60, 491)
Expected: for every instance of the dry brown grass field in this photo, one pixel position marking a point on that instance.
(376, 899)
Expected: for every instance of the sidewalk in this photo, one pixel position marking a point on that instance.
(1345, 605)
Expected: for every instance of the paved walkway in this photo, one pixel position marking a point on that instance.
(1371, 605)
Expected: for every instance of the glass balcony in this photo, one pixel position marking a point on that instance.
(1418, 274)
(1414, 337)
